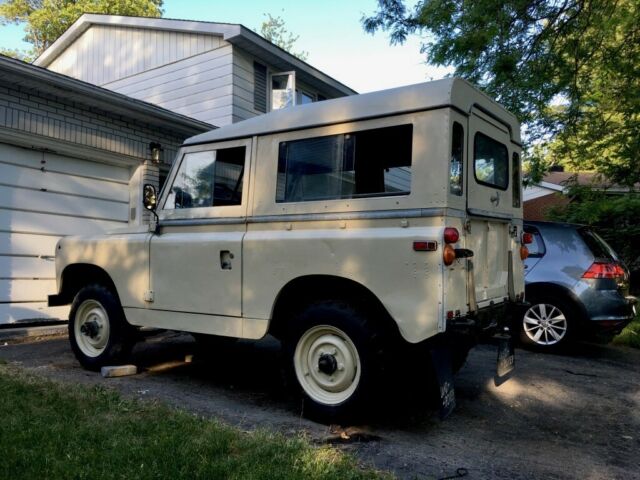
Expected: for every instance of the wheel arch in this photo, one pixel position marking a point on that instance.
(306, 289)
(78, 275)
(547, 289)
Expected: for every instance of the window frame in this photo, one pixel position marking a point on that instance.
(290, 73)
(508, 172)
(213, 211)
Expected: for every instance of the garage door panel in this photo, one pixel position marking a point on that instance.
(15, 312)
(27, 267)
(26, 290)
(62, 164)
(27, 244)
(20, 198)
(29, 222)
(13, 175)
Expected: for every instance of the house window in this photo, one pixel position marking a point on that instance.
(368, 163)
(490, 162)
(283, 88)
(456, 168)
(208, 179)
(303, 97)
(515, 180)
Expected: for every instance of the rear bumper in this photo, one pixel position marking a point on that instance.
(612, 313)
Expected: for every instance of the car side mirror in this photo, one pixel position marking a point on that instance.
(149, 197)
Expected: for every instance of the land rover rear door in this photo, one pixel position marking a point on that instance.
(489, 205)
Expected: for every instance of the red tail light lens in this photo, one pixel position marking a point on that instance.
(604, 270)
(527, 238)
(451, 235)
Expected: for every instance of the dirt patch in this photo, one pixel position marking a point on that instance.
(561, 417)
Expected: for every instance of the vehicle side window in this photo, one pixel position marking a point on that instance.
(515, 181)
(208, 179)
(360, 164)
(536, 247)
(490, 162)
(456, 166)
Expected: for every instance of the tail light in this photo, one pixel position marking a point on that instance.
(604, 270)
(524, 252)
(451, 235)
(527, 238)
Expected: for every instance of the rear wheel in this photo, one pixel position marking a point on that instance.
(333, 354)
(98, 332)
(547, 324)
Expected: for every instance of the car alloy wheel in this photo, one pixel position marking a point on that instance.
(545, 324)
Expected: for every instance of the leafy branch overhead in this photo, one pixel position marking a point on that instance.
(570, 69)
(46, 20)
(274, 30)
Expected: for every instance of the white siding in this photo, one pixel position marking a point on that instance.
(199, 86)
(105, 53)
(44, 196)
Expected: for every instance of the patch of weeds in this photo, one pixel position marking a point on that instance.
(630, 336)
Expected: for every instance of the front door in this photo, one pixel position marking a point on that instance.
(489, 205)
(196, 259)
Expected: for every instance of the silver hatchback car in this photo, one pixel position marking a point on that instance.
(576, 285)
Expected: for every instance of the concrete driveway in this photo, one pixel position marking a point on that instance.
(560, 417)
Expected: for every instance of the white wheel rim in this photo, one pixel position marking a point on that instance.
(91, 328)
(545, 324)
(326, 342)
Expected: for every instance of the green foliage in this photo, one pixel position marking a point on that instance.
(569, 69)
(46, 20)
(614, 217)
(630, 336)
(274, 30)
(54, 431)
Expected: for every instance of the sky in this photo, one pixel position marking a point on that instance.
(329, 30)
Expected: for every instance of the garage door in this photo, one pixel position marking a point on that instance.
(44, 196)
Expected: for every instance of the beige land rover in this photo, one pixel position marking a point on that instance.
(352, 230)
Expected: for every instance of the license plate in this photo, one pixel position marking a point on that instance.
(506, 362)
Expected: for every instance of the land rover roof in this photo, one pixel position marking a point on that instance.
(449, 92)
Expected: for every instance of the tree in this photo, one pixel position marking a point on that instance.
(569, 69)
(273, 29)
(46, 20)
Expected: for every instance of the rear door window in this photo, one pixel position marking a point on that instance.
(490, 162)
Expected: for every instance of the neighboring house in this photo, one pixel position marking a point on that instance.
(73, 158)
(219, 73)
(547, 194)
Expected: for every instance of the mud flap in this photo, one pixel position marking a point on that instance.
(442, 366)
(506, 361)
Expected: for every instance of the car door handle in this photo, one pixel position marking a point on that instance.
(225, 259)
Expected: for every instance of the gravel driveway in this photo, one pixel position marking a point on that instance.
(560, 417)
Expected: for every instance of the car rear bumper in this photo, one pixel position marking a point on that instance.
(612, 313)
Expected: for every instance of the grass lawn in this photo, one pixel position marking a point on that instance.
(51, 431)
(630, 336)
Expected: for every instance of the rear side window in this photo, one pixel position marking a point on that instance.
(456, 166)
(368, 163)
(599, 248)
(515, 180)
(536, 247)
(490, 162)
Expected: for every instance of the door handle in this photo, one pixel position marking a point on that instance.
(225, 259)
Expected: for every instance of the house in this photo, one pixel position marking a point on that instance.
(73, 159)
(541, 197)
(218, 73)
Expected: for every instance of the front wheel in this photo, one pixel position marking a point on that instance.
(98, 332)
(333, 355)
(547, 324)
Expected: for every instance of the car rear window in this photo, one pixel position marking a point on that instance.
(599, 248)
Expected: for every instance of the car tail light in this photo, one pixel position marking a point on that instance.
(527, 238)
(604, 270)
(524, 252)
(451, 235)
(448, 254)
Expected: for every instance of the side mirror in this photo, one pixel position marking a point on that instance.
(149, 197)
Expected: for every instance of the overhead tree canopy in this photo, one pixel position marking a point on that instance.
(46, 20)
(274, 30)
(570, 69)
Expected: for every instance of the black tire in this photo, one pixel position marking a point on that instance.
(338, 328)
(95, 303)
(556, 321)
